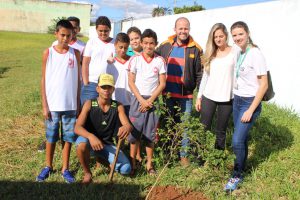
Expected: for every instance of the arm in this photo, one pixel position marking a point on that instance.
(135, 91)
(77, 54)
(159, 88)
(79, 129)
(263, 86)
(46, 112)
(85, 69)
(126, 128)
(201, 90)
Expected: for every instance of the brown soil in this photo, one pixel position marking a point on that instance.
(174, 193)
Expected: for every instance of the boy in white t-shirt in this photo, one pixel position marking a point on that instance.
(96, 53)
(119, 69)
(60, 98)
(147, 79)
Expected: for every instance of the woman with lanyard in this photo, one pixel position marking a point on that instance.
(250, 85)
(215, 91)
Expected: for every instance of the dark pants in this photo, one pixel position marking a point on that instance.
(223, 110)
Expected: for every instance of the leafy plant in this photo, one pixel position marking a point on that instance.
(52, 27)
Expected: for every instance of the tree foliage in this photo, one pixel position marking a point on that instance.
(186, 9)
(161, 11)
(52, 27)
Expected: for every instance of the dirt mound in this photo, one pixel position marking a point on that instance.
(172, 193)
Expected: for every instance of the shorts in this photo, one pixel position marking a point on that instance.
(67, 119)
(144, 124)
(88, 92)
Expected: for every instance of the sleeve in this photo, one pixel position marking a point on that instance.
(162, 66)
(202, 84)
(198, 66)
(259, 63)
(88, 49)
(132, 64)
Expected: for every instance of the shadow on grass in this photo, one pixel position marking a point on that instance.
(54, 190)
(3, 70)
(267, 139)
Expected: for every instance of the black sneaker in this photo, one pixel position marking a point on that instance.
(42, 147)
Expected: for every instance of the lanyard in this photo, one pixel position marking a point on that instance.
(240, 62)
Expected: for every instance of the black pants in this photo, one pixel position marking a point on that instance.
(223, 110)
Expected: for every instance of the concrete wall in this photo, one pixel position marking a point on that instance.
(274, 28)
(36, 15)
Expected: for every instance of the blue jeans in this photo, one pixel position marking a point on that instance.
(108, 153)
(67, 119)
(241, 131)
(88, 92)
(185, 106)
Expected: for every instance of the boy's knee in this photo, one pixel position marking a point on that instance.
(125, 169)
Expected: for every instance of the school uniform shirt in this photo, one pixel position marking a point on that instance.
(61, 80)
(99, 52)
(217, 84)
(253, 65)
(119, 70)
(147, 73)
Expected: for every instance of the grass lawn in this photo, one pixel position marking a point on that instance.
(274, 157)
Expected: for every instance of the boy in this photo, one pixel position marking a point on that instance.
(95, 56)
(135, 41)
(119, 70)
(60, 97)
(96, 126)
(75, 44)
(147, 79)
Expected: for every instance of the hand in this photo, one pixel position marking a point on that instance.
(246, 116)
(110, 59)
(124, 131)
(95, 143)
(144, 106)
(198, 104)
(46, 113)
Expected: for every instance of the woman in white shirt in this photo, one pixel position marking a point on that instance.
(250, 85)
(215, 91)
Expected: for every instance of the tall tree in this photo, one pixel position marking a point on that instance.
(161, 11)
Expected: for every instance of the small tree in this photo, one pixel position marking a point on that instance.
(52, 27)
(186, 9)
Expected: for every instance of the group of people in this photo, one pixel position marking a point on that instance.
(115, 91)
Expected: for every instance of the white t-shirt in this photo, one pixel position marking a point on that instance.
(61, 80)
(78, 45)
(253, 65)
(99, 52)
(147, 73)
(217, 85)
(119, 70)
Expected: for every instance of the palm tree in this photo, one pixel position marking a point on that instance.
(159, 11)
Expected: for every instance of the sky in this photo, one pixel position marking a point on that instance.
(121, 9)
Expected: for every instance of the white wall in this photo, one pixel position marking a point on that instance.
(274, 28)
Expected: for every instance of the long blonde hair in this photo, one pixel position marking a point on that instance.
(211, 47)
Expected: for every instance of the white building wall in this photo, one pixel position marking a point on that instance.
(274, 28)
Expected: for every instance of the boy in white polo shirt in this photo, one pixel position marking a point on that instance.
(147, 79)
(94, 63)
(60, 97)
(119, 69)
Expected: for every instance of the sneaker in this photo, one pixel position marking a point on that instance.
(69, 178)
(232, 184)
(45, 173)
(42, 147)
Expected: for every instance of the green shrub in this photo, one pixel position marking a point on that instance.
(52, 27)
